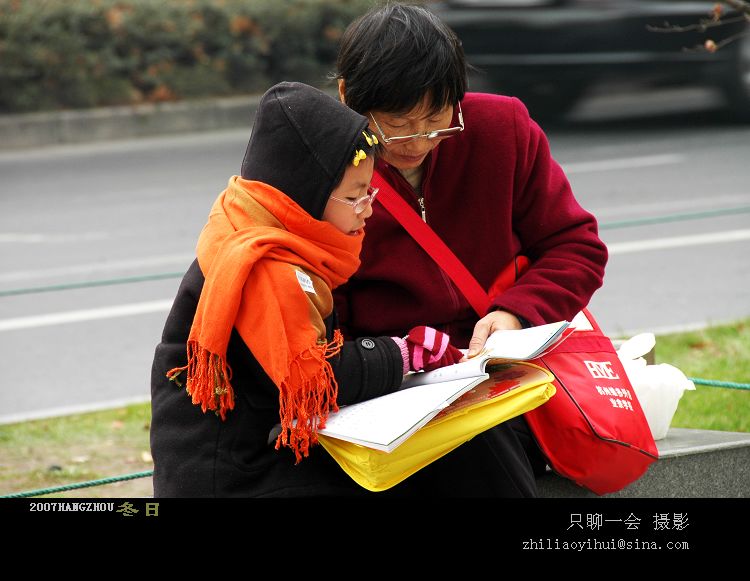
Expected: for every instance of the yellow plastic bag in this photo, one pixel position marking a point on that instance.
(492, 402)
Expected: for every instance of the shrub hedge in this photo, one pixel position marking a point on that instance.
(57, 54)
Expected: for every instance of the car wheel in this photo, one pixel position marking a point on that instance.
(737, 87)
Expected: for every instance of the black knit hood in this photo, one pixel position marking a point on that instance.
(301, 143)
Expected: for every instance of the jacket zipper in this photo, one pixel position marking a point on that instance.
(420, 200)
(418, 196)
(446, 279)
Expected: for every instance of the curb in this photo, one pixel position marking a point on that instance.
(34, 130)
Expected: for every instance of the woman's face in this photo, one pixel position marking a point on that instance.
(419, 120)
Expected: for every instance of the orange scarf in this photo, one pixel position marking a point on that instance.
(270, 269)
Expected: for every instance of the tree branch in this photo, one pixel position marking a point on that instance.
(702, 26)
(741, 6)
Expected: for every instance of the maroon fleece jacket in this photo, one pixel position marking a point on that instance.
(492, 192)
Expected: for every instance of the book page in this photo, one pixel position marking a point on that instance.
(386, 421)
(523, 344)
(470, 368)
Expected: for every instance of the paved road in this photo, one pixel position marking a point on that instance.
(134, 209)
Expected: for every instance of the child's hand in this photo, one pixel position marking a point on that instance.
(430, 349)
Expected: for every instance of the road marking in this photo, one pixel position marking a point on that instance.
(678, 241)
(64, 317)
(653, 209)
(21, 238)
(183, 260)
(623, 163)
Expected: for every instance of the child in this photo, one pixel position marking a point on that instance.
(252, 335)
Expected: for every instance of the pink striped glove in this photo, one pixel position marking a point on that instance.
(427, 348)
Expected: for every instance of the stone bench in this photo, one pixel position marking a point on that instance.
(692, 464)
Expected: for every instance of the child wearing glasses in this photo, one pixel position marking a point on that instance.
(251, 357)
(479, 172)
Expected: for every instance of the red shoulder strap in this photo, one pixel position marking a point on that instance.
(433, 245)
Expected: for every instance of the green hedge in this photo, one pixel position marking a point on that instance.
(58, 54)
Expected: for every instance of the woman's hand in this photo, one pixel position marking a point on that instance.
(495, 321)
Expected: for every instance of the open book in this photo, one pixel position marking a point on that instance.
(386, 422)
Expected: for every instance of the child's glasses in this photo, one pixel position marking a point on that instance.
(360, 204)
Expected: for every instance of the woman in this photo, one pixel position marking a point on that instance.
(251, 358)
(479, 172)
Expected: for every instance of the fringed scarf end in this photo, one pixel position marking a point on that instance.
(304, 402)
(208, 380)
(173, 375)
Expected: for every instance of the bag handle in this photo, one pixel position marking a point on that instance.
(433, 245)
(448, 261)
(444, 256)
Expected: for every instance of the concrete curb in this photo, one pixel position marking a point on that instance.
(692, 464)
(112, 123)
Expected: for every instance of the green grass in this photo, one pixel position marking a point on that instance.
(717, 353)
(60, 451)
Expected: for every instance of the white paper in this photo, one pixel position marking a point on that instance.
(523, 344)
(381, 423)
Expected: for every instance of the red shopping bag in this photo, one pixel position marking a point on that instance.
(593, 431)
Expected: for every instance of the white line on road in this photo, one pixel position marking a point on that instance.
(181, 260)
(680, 206)
(164, 305)
(678, 241)
(85, 315)
(22, 238)
(623, 163)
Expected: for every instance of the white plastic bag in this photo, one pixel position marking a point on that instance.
(658, 387)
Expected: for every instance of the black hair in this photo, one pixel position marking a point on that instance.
(393, 56)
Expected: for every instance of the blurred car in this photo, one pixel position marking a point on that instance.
(550, 52)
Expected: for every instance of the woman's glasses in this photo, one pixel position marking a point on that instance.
(360, 205)
(438, 133)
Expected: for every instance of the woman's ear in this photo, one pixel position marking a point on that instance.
(342, 90)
